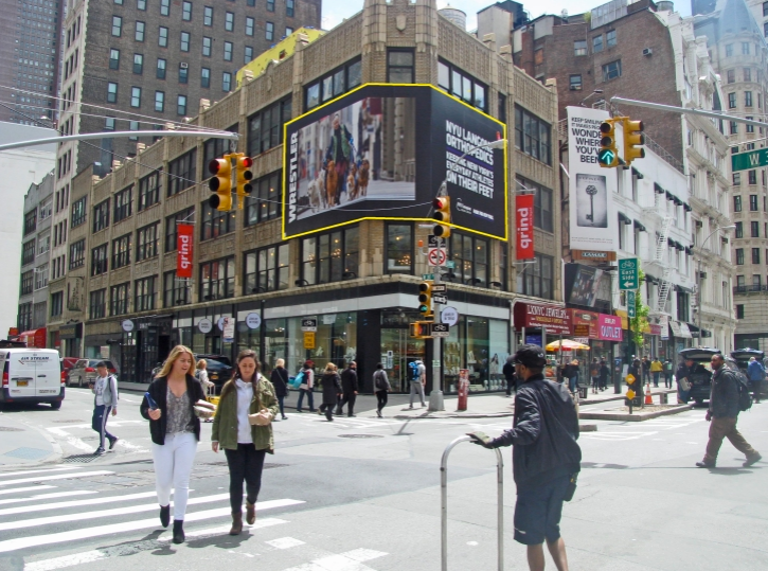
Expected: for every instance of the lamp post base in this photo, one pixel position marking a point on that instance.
(436, 401)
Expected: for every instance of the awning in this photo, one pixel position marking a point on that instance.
(687, 207)
(683, 289)
(669, 195)
(679, 246)
(624, 218)
(671, 242)
(657, 189)
(680, 329)
(689, 251)
(34, 338)
(637, 174)
(639, 225)
(678, 202)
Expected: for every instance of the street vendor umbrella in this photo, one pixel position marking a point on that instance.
(567, 345)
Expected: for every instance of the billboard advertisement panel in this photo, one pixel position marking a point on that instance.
(593, 222)
(382, 152)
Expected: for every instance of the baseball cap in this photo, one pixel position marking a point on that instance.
(530, 355)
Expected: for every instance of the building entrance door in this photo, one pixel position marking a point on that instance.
(397, 350)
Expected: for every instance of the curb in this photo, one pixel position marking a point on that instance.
(635, 417)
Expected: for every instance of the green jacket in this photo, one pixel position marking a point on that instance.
(225, 422)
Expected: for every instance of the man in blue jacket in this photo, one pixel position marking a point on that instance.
(756, 374)
(545, 457)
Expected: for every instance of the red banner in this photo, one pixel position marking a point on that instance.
(184, 244)
(524, 208)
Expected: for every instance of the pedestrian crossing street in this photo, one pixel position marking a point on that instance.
(47, 511)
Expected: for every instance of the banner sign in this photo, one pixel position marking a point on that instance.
(537, 315)
(610, 328)
(184, 255)
(524, 225)
(584, 323)
(593, 218)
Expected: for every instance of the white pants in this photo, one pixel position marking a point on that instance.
(173, 467)
(417, 389)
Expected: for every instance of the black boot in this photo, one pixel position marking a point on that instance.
(178, 531)
(165, 515)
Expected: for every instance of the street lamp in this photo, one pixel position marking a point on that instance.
(697, 315)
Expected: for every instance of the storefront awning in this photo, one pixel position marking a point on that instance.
(680, 329)
(539, 315)
(34, 338)
(640, 226)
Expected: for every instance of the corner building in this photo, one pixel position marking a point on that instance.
(355, 266)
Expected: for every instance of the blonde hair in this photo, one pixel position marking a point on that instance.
(202, 364)
(331, 368)
(175, 353)
(280, 363)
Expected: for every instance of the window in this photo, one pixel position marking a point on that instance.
(97, 306)
(739, 256)
(217, 279)
(161, 64)
(101, 216)
(77, 254)
(165, 7)
(175, 290)
(765, 29)
(171, 234)
(265, 127)
(748, 99)
(249, 26)
(732, 100)
(25, 317)
(184, 41)
(536, 279)
(612, 70)
(462, 85)
(99, 260)
(736, 178)
(114, 59)
(289, 8)
(205, 77)
(266, 269)
(248, 54)
(133, 126)
(123, 202)
(728, 50)
(135, 96)
(229, 22)
(737, 203)
(162, 38)
(327, 257)
(400, 65)
(580, 48)
(117, 26)
(270, 5)
(610, 38)
(265, 197)
(288, 31)
(542, 204)
(597, 44)
(78, 212)
(28, 253)
(532, 135)
(30, 221)
(144, 294)
(215, 223)
(146, 242)
(149, 190)
(183, 72)
(270, 27)
(159, 101)
(334, 83)
(755, 255)
(181, 105)
(208, 16)
(399, 257)
(752, 175)
(139, 34)
(739, 230)
(755, 229)
(111, 92)
(27, 282)
(734, 128)
(731, 74)
(747, 74)
(753, 203)
(57, 303)
(182, 172)
(186, 11)
(226, 81)
(745, 48)
(575, 83)
(121, 251)
(138, 64)
(118, 299)
(141, 5)
(207, 46)
(470, 256)
(227, 53)
(739, 311)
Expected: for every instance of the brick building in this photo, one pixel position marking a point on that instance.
(359, 280)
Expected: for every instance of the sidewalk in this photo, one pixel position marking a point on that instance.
(21, 444)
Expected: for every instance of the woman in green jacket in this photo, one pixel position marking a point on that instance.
(243, 428)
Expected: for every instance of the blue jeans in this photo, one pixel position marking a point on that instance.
(310, 400)
(99, 423)
(281, 403)
(573, 382)
(656, 377)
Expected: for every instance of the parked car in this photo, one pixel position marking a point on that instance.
(84, 372)
(701, 379)
(31, 376)
(742, 357)
(66, 365)
(219, 369)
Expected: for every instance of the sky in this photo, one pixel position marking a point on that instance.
(334, 11)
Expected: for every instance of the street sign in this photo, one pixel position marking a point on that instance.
(441, 299)
(630, 379)
(436, 257)
(630, 394)
(449, 315)
(450, 264)
(309, 324)
(631, 304)
(750, 160)
(309, 339)
(628, 274)
(439, 288)
(427, 276)
(440, 330)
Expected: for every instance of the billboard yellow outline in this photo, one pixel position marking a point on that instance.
(361, 219)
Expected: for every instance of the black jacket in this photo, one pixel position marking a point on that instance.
(724, 394)
(605, 372)
(349, 381)
(331, 388)
(159, 389)
(279, 379)
(508, 370)
(543, 433)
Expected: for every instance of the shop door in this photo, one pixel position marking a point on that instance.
(148, 354)
(128, 370)
(398, 343)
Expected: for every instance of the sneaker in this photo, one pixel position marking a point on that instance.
(410, 407)
(752, 460)
(378, 413)
(299, 410)
(351, 415)
(99, 452)
(703, 464)
(285, 417)
(112, 442)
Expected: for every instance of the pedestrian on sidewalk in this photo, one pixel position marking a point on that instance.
(683, 376)
(668, 374)
(307, 387)
(756, 374)
(381, 387)
(331, 390)
(571, 372)
(348, 389)
(105, 399)
(545, 457)
(656, 369)
(594, 373)
(242, 427)
(508, 370)
(201, 374)
(605, 373)
(418, 380)
(723, 414)
(175, 431)
(646, 369)
(279, 380)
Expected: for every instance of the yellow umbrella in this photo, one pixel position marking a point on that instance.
(567, 345)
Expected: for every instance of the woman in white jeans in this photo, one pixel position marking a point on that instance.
(175, 431)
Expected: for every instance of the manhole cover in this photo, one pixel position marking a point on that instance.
(79, 459)
(360, 436)
(10, 429)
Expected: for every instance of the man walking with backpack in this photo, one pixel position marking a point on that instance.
(105, 401)
(724, 408)
(418, 377)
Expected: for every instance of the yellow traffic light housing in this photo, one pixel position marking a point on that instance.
(221, 183)
(608, 156)
(442, 214)
(420, 330)
(425, 298)
(243, 178)
(633, 138)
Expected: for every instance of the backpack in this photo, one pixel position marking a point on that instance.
(378, 381)
(745, 397)
(197, 374)
(414, 368)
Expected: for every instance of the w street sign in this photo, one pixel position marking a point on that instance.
(750, 160)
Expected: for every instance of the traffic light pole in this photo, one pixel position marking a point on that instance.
(436, 396)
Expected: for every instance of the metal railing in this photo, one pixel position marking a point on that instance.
(749, 288)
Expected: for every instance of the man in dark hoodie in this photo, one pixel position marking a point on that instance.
(545, 459)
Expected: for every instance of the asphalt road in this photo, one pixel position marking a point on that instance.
(363, 493)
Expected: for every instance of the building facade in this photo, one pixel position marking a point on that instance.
(358, 280)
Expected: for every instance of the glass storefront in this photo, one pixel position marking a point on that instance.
(481, 346)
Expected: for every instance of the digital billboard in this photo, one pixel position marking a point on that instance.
(382, 152)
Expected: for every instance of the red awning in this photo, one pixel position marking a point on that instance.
(34, 337)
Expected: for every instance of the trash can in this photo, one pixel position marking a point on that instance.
(583, 392)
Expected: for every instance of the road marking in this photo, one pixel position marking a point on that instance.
(69, 439)
(26, 489)
(76, 503)
(46, 470)
(111, 424)
(284, 542)
(45, 497)
(101, 530)
(349, 561)
(77, 559)
(69, 475)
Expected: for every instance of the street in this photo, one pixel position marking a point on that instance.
(363, 494)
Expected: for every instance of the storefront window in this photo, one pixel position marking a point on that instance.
(399, 249)
(266, 269)
(470, 256)
(398, 348)
(331, 257)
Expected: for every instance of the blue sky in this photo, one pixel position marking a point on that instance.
(334, 11)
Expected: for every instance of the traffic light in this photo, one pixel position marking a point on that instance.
(442, 214)
(633, 138)
(243, 178)
(425, 298)
(608, 156)
(221, 183)
(420, 330)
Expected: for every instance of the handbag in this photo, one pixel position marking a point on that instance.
(571, 489)
(297, 381)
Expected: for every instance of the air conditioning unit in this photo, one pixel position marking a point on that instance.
(647, 52)
(574, 88)
(185, 65)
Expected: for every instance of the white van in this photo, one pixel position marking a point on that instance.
(31, 375)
